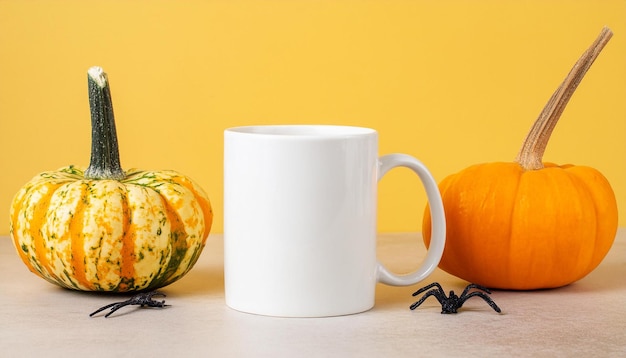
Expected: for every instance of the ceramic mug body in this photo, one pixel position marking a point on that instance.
(300, 220)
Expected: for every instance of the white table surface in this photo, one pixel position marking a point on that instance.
(587, 318)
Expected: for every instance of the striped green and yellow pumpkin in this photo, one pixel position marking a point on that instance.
(103, 229)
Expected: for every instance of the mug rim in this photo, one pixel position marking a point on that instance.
(302, 130)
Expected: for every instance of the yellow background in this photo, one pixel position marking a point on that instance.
(451, 82)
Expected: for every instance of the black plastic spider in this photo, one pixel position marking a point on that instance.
(450, 304)
(141, 299)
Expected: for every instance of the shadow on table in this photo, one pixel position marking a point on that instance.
(201, 281)
(609, 276)
(389, 296)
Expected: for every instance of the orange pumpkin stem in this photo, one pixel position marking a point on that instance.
(530, 156)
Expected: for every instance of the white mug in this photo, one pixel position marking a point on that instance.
(300, 219)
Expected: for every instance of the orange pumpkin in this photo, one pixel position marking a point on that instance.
(527, 224)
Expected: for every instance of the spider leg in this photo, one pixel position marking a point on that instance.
(104, 307)
(484, 297)
(434, 292)
(478, 287)
(434, 284)
(141, 299)
(117, 307)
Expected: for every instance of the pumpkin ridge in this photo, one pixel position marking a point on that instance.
(151, 233)
(15, 227)
(520, 243)
(584, 194)
(548, 241)
(509, 267)
(492, 261)
(75, 231)
(26, 250)
(205, 204)
(103, 233)
(178, 245)
(593, 181)
(568, 250)
(35, 229)
(127, 266)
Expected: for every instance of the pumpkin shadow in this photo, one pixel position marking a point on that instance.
(200, 281)
(609, 276)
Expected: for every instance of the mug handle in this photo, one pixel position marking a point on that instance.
(438, 237)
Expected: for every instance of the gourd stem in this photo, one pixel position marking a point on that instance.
(105, 158)
(530, 156)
